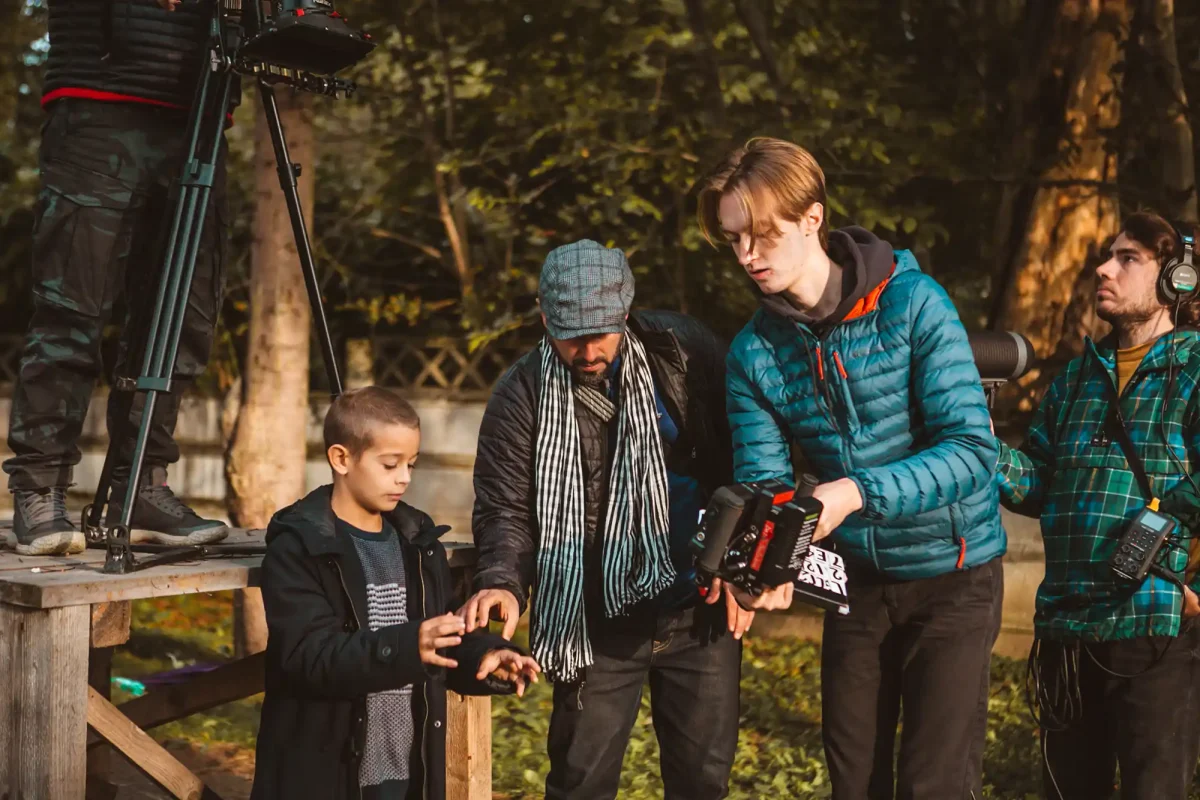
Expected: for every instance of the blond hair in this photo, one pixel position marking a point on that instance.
(772, 179)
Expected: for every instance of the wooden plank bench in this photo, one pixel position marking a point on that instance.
(59, 617)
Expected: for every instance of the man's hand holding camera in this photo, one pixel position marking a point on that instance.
(737, 611)
(839, 499)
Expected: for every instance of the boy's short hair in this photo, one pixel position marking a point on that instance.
(354, 414)
(771, 178)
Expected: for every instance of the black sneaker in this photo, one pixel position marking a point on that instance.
(42, 526)
(159, 516)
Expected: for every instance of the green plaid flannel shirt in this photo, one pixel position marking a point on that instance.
(1082, 489)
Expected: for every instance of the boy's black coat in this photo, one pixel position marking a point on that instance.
(322, 659)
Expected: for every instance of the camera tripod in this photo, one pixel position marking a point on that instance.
(273, 51)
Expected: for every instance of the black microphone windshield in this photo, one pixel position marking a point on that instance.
(1001, 355)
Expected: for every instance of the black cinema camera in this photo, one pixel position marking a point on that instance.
(304, 35)
(757, 536)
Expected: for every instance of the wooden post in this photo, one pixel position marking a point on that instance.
(468, 747)
(110, 623)
(43, 701)
(99, 678)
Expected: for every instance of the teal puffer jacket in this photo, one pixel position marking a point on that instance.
(889, 397)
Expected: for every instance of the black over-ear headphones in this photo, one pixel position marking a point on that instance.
(1178, 278)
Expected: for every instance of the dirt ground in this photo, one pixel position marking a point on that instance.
(225, 769)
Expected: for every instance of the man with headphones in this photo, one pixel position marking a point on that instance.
(1108, 468)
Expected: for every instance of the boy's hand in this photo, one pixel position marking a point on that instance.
(511, 666)
(498, 603)
(436, 633)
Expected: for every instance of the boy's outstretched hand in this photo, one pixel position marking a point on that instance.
(511, 666)
(436, 633)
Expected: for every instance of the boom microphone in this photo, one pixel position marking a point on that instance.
(1001, 355)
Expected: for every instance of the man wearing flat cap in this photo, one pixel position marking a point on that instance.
(597, 452)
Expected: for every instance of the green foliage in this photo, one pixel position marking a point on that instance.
(779, 744)
(519, 127)
(591, 119)
(172, 632)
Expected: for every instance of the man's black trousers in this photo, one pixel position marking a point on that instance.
(922, 647)
(693, 664)
(1149, 724)
(100, 235)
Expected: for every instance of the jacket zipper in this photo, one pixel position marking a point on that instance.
(424, 693)
(825, 392)
(818, 369)
(357, 624)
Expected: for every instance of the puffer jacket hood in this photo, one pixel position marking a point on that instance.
(863, 262)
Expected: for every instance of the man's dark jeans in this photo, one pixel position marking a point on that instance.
(1149, 724)
(694, 666)
(924, 646)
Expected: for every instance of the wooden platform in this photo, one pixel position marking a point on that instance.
(59, 618)
(52, 582)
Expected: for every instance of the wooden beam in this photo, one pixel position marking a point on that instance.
(110, 623)
(222, 685)
(145, 753)
(468, 747)
(43, 702)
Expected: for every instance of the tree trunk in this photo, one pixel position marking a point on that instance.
(1075, 207)
(267, 459)
(1177, 156)
(1043, 49)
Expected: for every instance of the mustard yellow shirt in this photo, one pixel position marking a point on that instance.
(1127, 363)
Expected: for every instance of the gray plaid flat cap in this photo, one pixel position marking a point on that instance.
(585, 289)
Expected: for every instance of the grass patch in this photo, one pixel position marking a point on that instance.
(172, 632)
(779, 745)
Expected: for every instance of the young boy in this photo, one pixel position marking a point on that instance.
(361, 647)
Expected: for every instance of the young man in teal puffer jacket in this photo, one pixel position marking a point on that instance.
(858, 362)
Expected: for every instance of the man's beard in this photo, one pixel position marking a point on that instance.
(593, 379)
(1125, 319)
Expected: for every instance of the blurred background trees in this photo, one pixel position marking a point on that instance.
(1000, 139)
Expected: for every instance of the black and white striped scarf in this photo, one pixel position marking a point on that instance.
(635, 555)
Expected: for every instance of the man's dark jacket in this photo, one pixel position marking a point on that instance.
(688, 365)
(323, 660)
(130, 48)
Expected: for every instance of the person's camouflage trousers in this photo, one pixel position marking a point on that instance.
(99, 234)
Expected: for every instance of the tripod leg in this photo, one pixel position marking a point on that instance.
(287, 182)
(171, 302)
